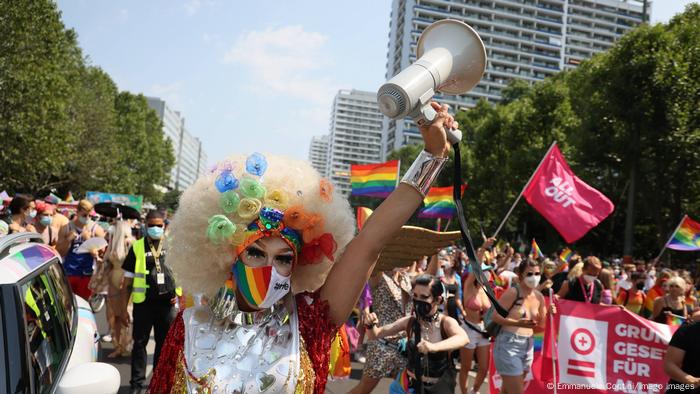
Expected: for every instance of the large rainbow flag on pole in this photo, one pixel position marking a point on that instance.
(686, 237)
(439, 203)
(374, 180)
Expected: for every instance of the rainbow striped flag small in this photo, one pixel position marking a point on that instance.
(439, 203)
(374, 180)
(535, 251)
(565, 255)
(674, 320)
(538, 340)
(686, 237)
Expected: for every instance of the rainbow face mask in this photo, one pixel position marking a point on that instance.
(261, 287)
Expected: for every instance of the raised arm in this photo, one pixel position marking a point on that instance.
(354, 267)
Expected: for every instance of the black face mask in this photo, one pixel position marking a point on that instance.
(422, 309)
(640, 285)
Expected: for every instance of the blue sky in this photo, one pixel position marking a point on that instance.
(247, 76)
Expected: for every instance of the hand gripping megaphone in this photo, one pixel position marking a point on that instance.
(451, 60)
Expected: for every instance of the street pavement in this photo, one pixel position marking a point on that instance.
(123, 364)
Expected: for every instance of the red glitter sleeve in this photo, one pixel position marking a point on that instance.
(164, 375)
(318, 332)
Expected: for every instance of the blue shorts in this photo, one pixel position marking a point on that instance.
(512, 353)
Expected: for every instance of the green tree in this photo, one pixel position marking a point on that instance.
(146, 155)
(39, 73)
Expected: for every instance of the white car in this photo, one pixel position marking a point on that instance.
(48, 336)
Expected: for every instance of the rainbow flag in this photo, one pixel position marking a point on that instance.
(686, 237)
(653, 293)
(339, 366)
(565, 255)
(538, 340)
(439, 203)
(362, 215)
(374, 180)
(535, 251)
(674, 320)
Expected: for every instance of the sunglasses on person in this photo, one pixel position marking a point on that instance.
(532, 274)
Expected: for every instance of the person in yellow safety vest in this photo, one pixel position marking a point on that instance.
(154, 294)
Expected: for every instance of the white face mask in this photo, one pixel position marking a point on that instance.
(279, 287)
(532, 281)
(588, 278)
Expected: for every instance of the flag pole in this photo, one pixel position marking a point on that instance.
(551, 337)
(448, 224)
(503, 222)
(670, 238)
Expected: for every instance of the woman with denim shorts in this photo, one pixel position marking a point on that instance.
(513, 348)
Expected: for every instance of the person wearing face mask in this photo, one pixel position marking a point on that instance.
(44, 223)
(431, 337)
(153, 292)
(78, 266)
(672, 303)
(631, 294)
(514, 345)
(270, 243)
(585, 287)
(21, 214)
(452, 280)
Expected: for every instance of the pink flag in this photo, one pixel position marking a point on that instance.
(568, 203)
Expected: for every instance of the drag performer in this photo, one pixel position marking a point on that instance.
(277, 242)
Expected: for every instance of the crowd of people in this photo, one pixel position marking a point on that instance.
(277, 268)
(127, 272)
(521, 283)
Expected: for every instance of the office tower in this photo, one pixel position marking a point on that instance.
(355, 135)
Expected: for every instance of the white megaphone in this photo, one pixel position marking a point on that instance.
(451, 60)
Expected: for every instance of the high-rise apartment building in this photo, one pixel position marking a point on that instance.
(318, 154)
(355, 135)
(190, 158)
(524, 39)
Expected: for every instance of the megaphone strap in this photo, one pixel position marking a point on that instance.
(474, 262)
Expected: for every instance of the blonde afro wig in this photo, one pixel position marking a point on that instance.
(210, 227)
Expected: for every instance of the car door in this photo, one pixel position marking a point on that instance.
(48, 322)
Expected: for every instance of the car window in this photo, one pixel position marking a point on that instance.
(48, 332)
(63, 293)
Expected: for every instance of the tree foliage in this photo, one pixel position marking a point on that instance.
(63, 122)
(636, 104)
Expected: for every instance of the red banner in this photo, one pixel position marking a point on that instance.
(568, 203)
(597, 349)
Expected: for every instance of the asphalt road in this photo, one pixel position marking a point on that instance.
(123, 364)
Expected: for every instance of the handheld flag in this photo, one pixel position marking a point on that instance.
(439, 203)
(686, 237)
(374, 180)
(568, 203)
(565, 255)
(535, 251)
